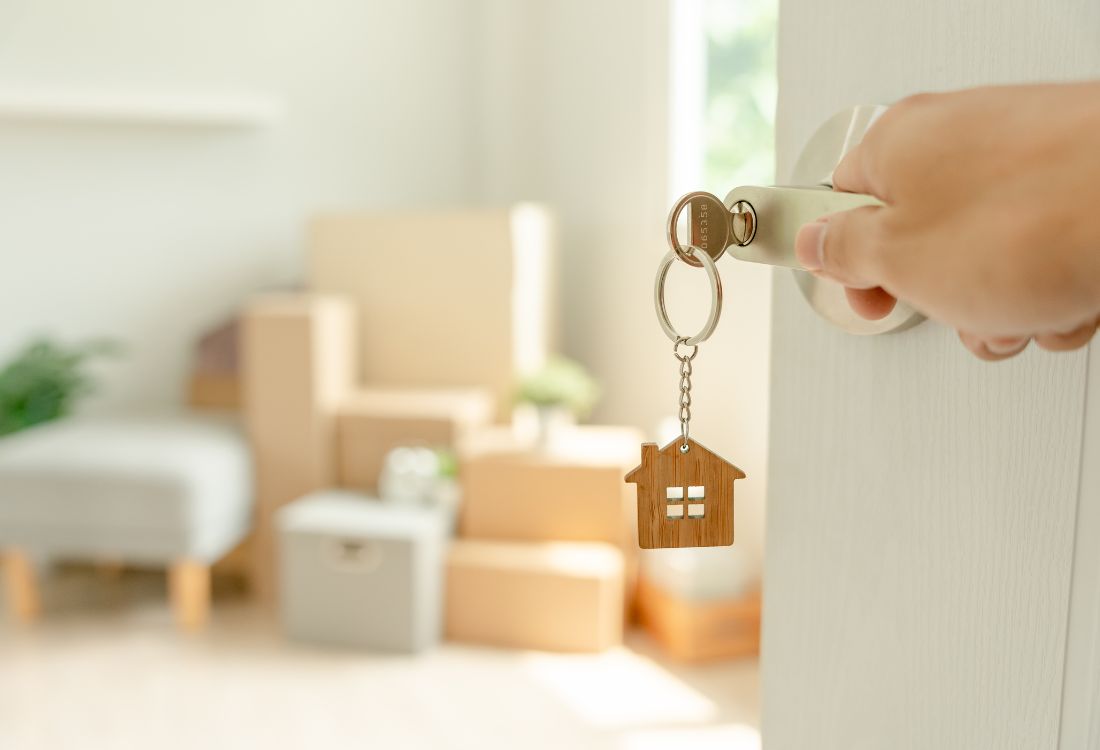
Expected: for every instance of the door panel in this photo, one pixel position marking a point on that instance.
(922, 504)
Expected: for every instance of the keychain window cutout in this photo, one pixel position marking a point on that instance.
(696, 510)
(675, 497)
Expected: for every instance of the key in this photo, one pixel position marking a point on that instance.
(710, 226)
(761, 226)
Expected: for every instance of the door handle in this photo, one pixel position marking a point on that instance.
(759, 224)
(779, 212)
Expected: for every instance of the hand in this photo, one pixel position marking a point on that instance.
(991, 222)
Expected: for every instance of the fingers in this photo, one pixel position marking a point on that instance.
(872, 304)
(994, 349)
(845, 247)
(1062, 342)
(998, 348)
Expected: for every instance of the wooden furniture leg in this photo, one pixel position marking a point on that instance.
(22, 588)
(189, 589)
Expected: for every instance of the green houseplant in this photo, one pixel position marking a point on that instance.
(561, 391)
(44, 381)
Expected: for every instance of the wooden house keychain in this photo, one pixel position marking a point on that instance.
(685, 490)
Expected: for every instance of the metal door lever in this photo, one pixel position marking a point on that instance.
(759, 224)
(778, 213)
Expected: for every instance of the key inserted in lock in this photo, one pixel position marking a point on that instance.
(759, 224)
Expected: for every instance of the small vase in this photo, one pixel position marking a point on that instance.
(552, 422)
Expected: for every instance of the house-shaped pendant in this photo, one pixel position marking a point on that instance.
(685, 498)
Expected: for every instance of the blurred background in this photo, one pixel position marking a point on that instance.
(327, 337)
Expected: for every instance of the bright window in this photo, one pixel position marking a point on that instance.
(739, 140)
(723, 94)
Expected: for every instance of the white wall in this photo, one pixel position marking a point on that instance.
(151, 234)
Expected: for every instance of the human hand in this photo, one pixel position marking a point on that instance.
(991, 222)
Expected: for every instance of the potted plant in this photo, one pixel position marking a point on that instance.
(44, 381)
(561, 392)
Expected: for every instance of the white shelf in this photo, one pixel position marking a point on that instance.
(120, 108)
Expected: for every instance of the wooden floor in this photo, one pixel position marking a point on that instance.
(107, 668)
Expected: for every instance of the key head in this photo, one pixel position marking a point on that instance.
(703, 220)
(706, 223)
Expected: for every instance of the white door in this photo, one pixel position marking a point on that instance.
(932, 573)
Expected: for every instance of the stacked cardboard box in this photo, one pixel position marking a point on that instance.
(373, 421)
(700, 629)
(298, 365)
(539, 531)
(572, 490)
(215, 381)
(554, 596)
(443, 299)
(385, 306)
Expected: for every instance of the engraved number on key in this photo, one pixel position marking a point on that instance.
(710, 225)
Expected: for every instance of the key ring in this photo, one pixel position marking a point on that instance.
(715, 297)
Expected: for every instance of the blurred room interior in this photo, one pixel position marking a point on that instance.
(327, 339)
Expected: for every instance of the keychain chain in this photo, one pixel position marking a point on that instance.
(685, 389)
(693, 341)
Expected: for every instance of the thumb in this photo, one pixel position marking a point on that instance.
(843, 246)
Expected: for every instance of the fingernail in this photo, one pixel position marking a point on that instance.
(1006, 345)
(808, 244)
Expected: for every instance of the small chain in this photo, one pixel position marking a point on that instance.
(685, 396)
(685, 389)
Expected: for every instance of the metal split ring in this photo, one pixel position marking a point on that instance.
(684, 357)
(715, 297)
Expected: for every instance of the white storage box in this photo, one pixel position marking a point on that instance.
(358, 572)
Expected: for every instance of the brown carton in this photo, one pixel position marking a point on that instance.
(445, 299)
(298, 364)
(373, 421)
(554, 596)
(571, 491)
(700, 630)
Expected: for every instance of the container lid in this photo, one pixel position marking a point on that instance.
(344, 512)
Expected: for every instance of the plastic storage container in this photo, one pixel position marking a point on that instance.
(358, 572)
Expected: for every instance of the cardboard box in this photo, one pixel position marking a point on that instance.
(373, 421)
(554, 596)
(445, 299)
(215, 381)
(700, 630)
(573, 491)
(298, 365)
(214, 391)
